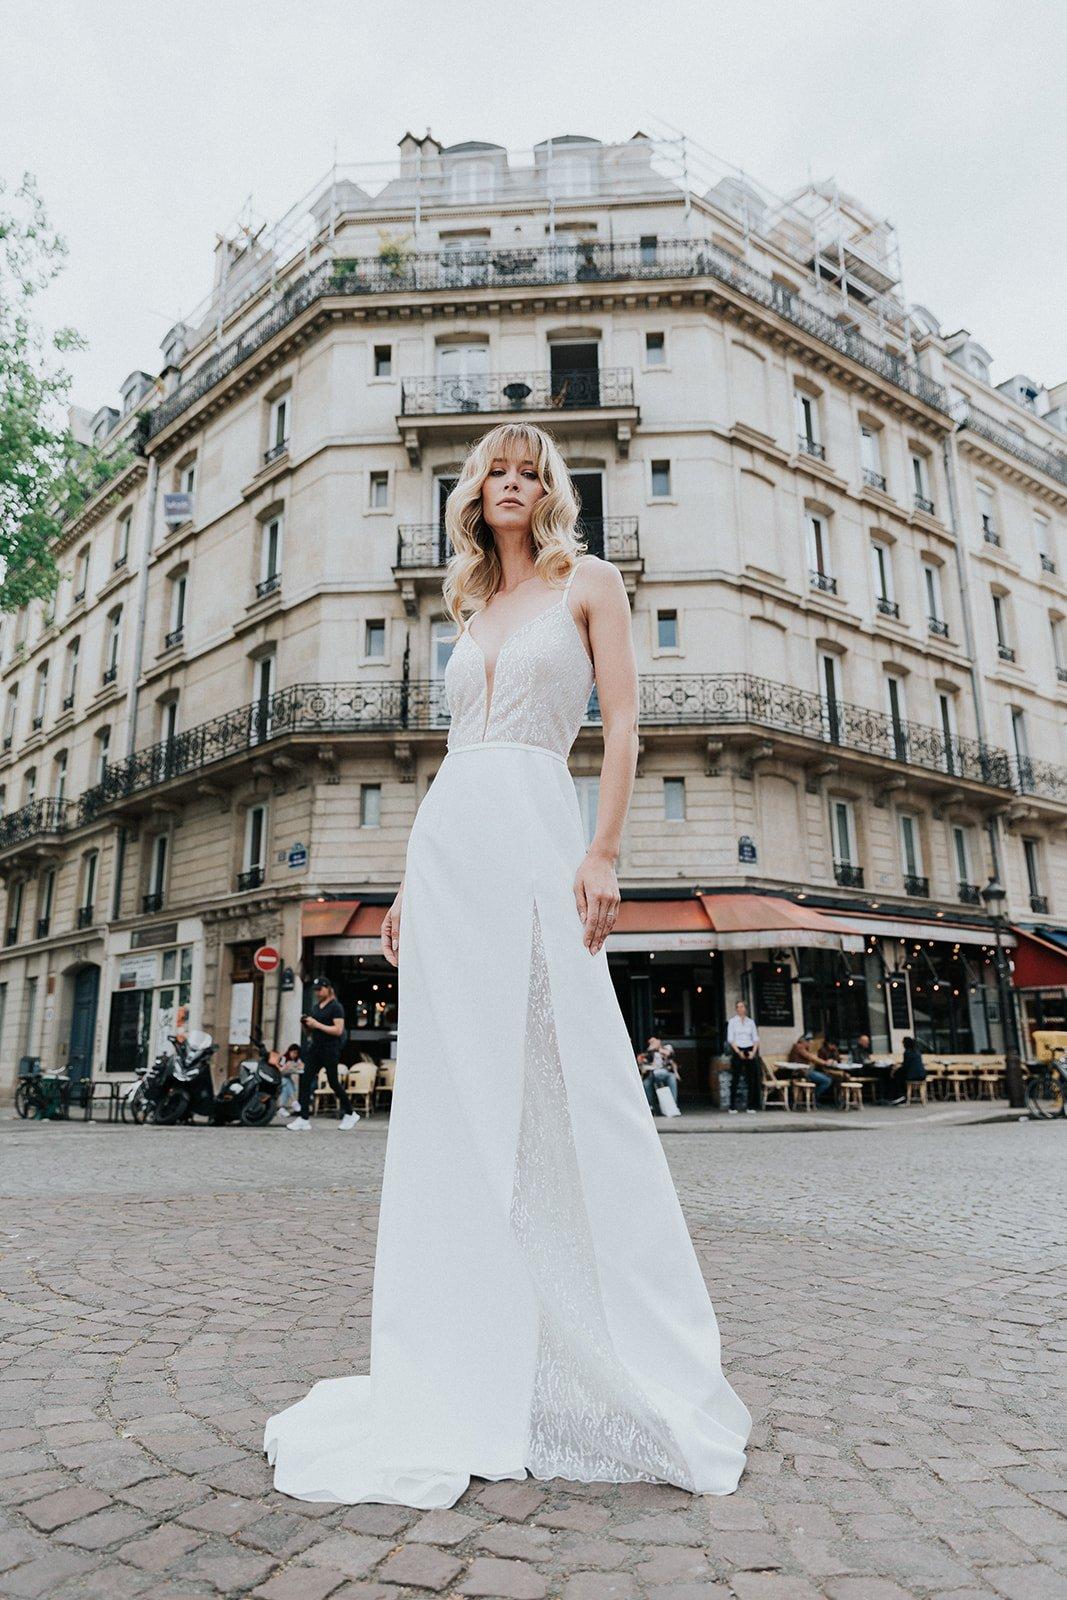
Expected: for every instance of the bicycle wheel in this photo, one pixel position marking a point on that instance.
(135, 1105)
(24, 1100)
(1044, 1093)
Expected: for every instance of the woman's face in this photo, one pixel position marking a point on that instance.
(509, 494)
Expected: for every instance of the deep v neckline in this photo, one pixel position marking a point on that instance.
(489, 689)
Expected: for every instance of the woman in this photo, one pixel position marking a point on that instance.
(290, 1066)
(538, 1307)
(912, 1069)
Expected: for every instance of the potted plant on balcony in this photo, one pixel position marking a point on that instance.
(394, 253)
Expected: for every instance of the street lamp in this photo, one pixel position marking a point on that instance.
(993, 896)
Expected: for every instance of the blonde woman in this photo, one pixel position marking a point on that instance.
(538, 1306)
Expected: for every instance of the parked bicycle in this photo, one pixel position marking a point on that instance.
(1046, 1087)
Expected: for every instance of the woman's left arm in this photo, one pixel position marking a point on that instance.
(596, 888)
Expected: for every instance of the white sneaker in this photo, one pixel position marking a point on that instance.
(750, 1111)
(349, 1121)
(298, 1124)
(283, 1111)
(733, 1111)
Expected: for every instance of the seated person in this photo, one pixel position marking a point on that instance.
(654, 1073)
(804, 1054)
(829, 1054)
(911, 1070)
(880, 1071)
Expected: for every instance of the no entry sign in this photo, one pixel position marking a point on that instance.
(266, 959)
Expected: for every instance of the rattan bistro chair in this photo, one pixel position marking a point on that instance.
(384, 1083)
(775, 1089)
(360, 1085)
(803, 1094)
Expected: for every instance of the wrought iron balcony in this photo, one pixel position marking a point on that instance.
(119, 561)
(79, 596)
(1051, 462)
(1061, 674)
(276, 452)
(152, 902)
(35, 820)
(991, 536)
(1039, 903)
(1047, 564)
(85, 916)
(42, 927)
(1005, 652)
(110, 674)
(37, 723)
(252, 879)
(268, 585)
(174, 637)
(923, 504)
(425, 544)
(68, 701)
(888, 608)
(969, 894)
(587, 389)
(811, 447)
(525, 266)
(848, 876)
(9, 739)
(11, 936)
(1039, 778)
(938, 627)
(823, 581)
(919, 888)
(873, 480)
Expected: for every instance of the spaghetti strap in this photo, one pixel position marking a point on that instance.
(570, 580)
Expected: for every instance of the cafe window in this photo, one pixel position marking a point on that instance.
(149, 1004)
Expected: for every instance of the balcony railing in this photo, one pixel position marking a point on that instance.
(276, 452)
(938, 627)
(268, 585)
(85, 916)
(174, 637)
(1039, 778)
(811, 447)
(119, 562)
(37, 817)
(1052, 462)
(923, 504)
(919, 888)
(1047, 564)
(1039, 903)
(823, 581)
(1061, 674)
(110, 674)
(969, 894)
(1005, 652)
(548, 263)
(42, 927)
(425, 544)
(991, 536)
(873, 480)
(665, 700)
(252, 879)
(68, 701)
(848, 876)
(11, 936)
(587, 389)
(37, 724)
(888, 608)
(152, 902)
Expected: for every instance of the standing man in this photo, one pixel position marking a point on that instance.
(325, 1022)
(743, 1043)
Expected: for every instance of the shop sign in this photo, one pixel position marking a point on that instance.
(137, 971)
(177, 508)
(772, 995)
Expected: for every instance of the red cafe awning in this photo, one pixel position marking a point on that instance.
(1038, 963)
(743, 919)
(326, 919)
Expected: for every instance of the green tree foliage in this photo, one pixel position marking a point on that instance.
(45, 474)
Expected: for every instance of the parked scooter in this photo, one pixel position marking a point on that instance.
(153, 1084)
(188, 1087)
(255, 1094)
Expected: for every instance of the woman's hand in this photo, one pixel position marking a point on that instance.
(391, 930)
(596, 892)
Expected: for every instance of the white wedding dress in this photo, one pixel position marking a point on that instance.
(538, 1307)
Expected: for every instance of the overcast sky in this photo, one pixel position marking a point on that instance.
(148, 123)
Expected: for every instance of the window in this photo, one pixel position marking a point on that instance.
(89, 875)
(370, 805)
(255, 841)
(15, 896)
(29, 786)
(179, 588)
(103, 746)
(648, 246)
(59, 783)
(71, 676)
(383, 361)
(168, 727)
(81, 575)
(40, 696)
(374, 639)
(961, 856)
(379, 491)
(588, 790)
(114, 640)
(270, 564)
(157, 880)
(947, 713)
(655, 350)
(10, 715)
(262, 696)
(829, 674)
(1046, 554)
(819, 554)
(44, 908)
(843, 840)
(674, 799)
(661, 480)
(871, 458)
(30, 1034)
(882, 566)
(3, 799)
(1032, 860)
(894, 689)
(1020, 743)
(278, 428)
(462, 371)
(1000, 624)
(920, 482)
(806, 410)
(932, 592)
(122, 538)
(187, 477)
(1055, 624)
(666, 630)
(910, 851)
(987, 515)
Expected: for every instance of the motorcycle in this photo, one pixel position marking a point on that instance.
(153, 1083)
(186, 1087)
(255, 1094)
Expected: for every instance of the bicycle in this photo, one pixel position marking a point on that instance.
(1046, 1087)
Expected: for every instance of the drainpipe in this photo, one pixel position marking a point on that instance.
(151, 488)
(948, 451)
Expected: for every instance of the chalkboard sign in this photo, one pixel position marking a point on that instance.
(898, 1002)
(772, 996)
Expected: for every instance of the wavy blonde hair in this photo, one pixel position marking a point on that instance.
(473, 573)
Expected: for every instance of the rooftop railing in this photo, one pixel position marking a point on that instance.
(531, 266)
(518, 391)
(1051, 462)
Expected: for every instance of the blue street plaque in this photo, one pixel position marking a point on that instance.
(298, 855)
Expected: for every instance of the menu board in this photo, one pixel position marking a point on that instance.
(772, 995)
(898, 1003)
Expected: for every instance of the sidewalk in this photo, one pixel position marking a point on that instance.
(939, 1113)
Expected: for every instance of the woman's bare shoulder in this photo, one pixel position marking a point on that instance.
(596, 577)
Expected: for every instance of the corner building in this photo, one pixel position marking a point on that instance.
(843, 544)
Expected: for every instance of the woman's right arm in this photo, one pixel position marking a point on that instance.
(391, 928)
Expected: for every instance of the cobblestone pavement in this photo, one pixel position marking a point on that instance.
(888, 1305)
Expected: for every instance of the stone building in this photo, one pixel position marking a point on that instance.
(844, 546)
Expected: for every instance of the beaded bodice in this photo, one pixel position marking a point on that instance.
(541, 684)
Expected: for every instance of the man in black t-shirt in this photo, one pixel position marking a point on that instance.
(325, 1023)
